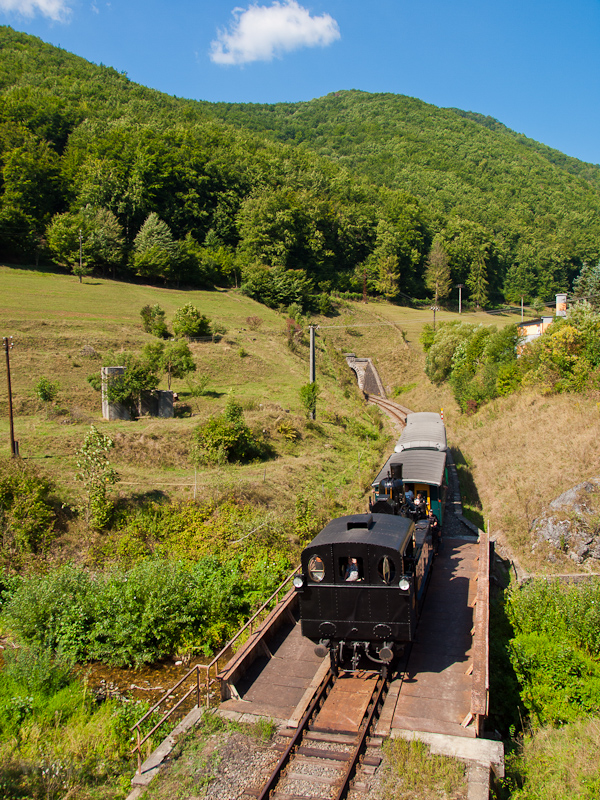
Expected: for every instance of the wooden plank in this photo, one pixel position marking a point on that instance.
(346, 704)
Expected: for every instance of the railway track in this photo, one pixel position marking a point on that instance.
(397, 412)
(325, 756)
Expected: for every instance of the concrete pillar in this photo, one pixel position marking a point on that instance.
(112, 410)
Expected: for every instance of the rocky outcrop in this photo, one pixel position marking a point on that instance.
(572, 523)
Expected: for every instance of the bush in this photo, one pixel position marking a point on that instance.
(27, 516)
(46, 390)
(227, 438)
(555, 649)
(153, 321)
(188, 321)
(134, 616)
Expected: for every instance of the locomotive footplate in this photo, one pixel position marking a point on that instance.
(345, 706)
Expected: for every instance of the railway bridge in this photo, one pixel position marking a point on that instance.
(438, 693)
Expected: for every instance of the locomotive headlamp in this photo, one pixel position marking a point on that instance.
(298, 581)
(404, 584)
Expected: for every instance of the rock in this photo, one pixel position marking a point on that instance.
(572, 497)
(569, 522)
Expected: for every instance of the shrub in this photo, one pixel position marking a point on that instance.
(188, 321)
(134, 616)
(46, 390)
(309, 394)
(227, 438)
(27, 516)
(153, 321)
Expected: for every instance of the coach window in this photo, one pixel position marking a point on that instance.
(386, 569)
(316, 569)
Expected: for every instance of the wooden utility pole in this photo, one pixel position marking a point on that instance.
(14, 448)
(80, 257)
(460, 287)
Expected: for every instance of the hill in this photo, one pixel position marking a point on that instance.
(344, 189)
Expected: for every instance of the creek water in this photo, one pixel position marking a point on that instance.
(148, 683)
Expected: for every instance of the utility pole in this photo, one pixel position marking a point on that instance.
(364, 286)
(521, 308)
(80, 257)
(460, 287)
(311, 368)
(14, 446)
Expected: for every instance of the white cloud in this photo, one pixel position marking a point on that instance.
(260, 33)
(57, 10)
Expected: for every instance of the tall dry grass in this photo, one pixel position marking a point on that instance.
(523, 451)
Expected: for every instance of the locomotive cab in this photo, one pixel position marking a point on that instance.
(362, 580)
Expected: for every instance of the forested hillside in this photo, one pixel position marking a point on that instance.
(291, 201)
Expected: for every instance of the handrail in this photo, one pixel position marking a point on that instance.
(214, 664)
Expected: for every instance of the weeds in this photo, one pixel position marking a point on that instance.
(412, 772)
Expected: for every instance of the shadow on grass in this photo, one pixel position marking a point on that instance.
(468, 489)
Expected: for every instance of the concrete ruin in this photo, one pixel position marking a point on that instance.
(157, 403)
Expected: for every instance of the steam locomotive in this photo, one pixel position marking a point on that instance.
(364, 576)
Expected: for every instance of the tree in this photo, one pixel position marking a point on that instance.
(153, 321)
(140, 376)
(96, 474)
(65, 240)
(389, 276)
(174, 358)
(91, 237)
(155, 252)
(587, 283)
(437, 271)
(188, 321)
(477, 282)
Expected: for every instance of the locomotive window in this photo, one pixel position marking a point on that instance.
(351, 569)
(316, 569)
(386, 569)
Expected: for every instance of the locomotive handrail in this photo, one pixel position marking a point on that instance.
(208, 681)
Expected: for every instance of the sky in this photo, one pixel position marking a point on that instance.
(533, 65)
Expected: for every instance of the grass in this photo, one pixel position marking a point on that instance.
(554, 764)
(523, 451)
(411, 772)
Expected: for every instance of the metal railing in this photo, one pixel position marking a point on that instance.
(211, 673)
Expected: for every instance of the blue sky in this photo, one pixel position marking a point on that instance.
(533, 65)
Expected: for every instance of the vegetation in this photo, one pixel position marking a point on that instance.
(412, 772)
(481, 363)
(290, 201)
(227, 438)
(555, 649)
(96, 475)
(55, 739)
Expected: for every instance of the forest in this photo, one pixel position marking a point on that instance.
(291, 201)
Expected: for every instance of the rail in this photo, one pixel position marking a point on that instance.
(395, 410)
(211, 672)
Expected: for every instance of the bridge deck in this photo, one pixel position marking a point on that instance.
(273, 686)
(435, 693)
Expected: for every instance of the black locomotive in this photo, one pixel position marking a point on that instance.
(364, 576)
